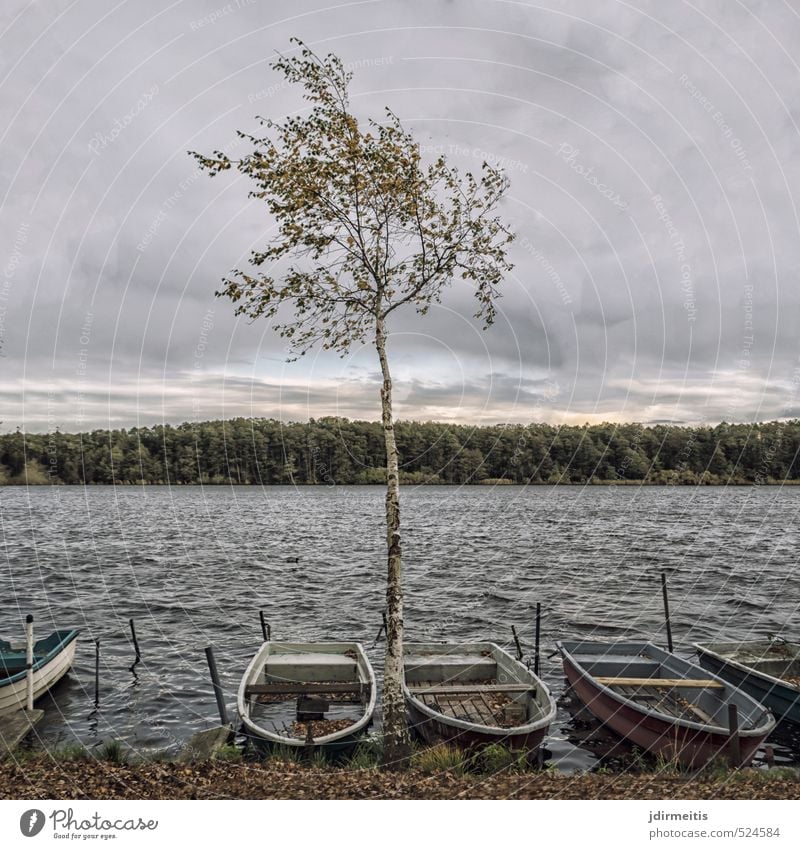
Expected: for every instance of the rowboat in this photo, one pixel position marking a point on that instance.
(663, 703)
(52, 658)
(768, 670)
(305, 695)
(471, 694)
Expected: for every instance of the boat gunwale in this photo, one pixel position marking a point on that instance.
(71, 635)
(743, 667)
(494, 730)
(763, 729)
(259, 660)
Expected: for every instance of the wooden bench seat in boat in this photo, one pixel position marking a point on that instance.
(310, 666)
(449, 667)
(587, 658)
(301, 688)
(454, 689)
(697, 683)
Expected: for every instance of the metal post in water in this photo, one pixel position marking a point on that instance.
(29, 659)
(381, 630)
(537, 638)
(516, 642)
(666, 610)
(266, 631)
(735, 739)
(212, 668)
(96, 672)
(135, 643)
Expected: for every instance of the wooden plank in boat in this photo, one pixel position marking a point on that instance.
(658, 682)
(638, 693)
(453, 689)
(701, 714)
(485, 709)
(670, 708)
(299, 688)
(664, 703)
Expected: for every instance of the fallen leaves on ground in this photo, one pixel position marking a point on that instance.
(87, 779)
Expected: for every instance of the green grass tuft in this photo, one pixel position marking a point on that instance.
(284, 754)
(366, 755)
(228, 753)
(498, 758)
(69, 752)
(318, 760)
(113, 751)
(440, 758)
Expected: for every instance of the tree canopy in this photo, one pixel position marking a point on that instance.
(364, 225)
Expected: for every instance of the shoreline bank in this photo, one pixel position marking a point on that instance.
(45, 778)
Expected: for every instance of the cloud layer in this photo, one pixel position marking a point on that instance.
(653, 151)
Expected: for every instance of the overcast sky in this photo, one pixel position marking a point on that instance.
(654, 156)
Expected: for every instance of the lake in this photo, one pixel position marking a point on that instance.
(193, 566)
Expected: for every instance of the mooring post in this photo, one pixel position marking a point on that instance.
(135, 643)
(29, 659)
(735, 739)
(516, 642)
(212, 668)
(96, 672)
(266, 630)
(537, 639)
(382, 629)
(666, 610)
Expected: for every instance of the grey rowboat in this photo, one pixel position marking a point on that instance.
(302, 695)
(471, 694)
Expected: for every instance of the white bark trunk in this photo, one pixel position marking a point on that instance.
(397, 743)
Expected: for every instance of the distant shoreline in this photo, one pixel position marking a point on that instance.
(267, 452)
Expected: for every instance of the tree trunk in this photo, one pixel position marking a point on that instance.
(397, 743)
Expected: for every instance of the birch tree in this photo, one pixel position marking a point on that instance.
(364, 228)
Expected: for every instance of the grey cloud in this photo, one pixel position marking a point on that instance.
(697, 106)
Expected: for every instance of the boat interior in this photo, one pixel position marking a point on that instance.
(13, 658)
(301, 694)
(479, 686)
(662, 683)
(778, 659)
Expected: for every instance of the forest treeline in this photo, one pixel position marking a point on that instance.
(339, 451)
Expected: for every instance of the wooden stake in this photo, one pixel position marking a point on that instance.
(381, 630)
(266, 631)
(135, 643)
(96, 672)
(537, 640)
(516, 641)
(735, 739)
(666, 610)
(212, 668)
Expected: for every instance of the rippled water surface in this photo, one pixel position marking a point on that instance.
(193, 566)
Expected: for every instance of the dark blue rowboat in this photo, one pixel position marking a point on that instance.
(768, 670)
(52, 658)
